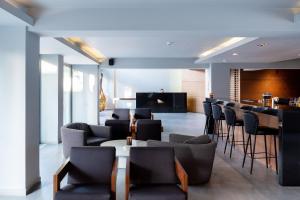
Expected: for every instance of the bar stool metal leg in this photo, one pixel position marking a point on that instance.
(245, 152)
(253, 152)
(275, 150)
(232, 141)
(227, 138)
(266, 151)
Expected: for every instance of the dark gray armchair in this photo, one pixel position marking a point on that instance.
(92, 173)
(154, 173)
(143, 113)
(121, 114)
(196, 154)
(82, 134)
(147, 129)
(120, 129)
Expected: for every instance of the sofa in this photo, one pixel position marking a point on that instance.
(82, 134)
(196, 154)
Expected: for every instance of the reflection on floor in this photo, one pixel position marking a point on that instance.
(229, 180)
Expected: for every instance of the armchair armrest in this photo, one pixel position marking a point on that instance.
(101, 131)
(182, 175)
(60, 174)
(127, 179)
(114, 177)
(177, 138)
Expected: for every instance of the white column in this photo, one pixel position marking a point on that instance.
(51, 98)
(19, 105)
(219, 80)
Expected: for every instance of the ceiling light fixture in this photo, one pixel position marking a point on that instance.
(261, 44)
(223, 45)
(235, 54)
(170, 43)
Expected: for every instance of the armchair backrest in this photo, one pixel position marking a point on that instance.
(148, 129)
(91, 165)
(79, 126)
(121, 113)
(119, 128)
(142, 113)
(152, 165)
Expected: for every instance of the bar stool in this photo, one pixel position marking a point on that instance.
(232, 122)
(218, 116)
(252, 128)
(208, 114)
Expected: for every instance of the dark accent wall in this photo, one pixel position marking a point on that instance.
(279, 82)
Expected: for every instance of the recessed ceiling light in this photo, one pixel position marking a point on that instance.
(235, 54)
(261, 44)
(170, 43)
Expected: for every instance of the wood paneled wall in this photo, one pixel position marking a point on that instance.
(279, 82)
(193, 83)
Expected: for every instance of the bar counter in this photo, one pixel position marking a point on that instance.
(287, 121)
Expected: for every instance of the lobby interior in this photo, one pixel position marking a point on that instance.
(68, 64)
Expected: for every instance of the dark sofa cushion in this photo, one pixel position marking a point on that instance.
(152, 165)
(156, 192)
(84, 192)
(91, 165)
(203, 139)
(95, 141)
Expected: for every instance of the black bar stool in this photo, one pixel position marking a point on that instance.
(208, 114)
(218, 116)
(232, 122)
(252, 128)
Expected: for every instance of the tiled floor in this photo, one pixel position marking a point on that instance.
(229, 180)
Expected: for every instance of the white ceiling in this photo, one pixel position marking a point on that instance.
(141, 28)
(152, 47)
(52, 46)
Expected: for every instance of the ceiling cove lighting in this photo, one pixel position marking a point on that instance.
(86, 48)
(221, 46)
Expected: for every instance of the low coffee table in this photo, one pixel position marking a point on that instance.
(122, 149)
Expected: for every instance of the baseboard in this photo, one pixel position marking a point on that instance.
(21, 191)
(13, 192)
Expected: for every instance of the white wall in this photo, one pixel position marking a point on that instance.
(85, 93)
(51, 98)
(19, 105)
(130, 81)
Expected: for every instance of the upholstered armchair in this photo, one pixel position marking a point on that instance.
(196, 154)
(92, 173)
(147, 129)
(82, 134)
(154, 173)
(120, 129)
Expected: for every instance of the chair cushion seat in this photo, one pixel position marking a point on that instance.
(81, 192)
(157, 192)
(263, 130)
(95, 141)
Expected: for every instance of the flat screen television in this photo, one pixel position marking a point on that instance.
(162, 102)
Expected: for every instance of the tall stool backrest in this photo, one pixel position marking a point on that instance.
(207, 108)
(230, 116)
(216, 111)
(251, 123)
